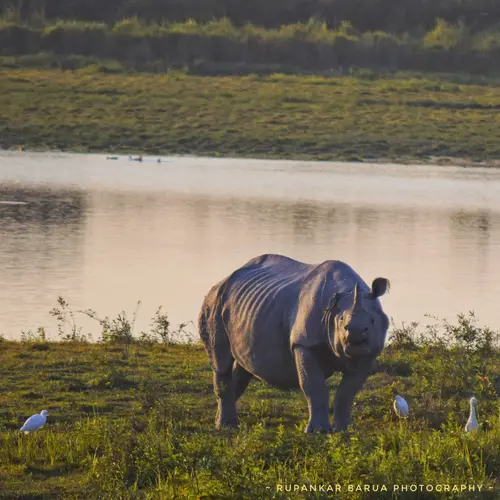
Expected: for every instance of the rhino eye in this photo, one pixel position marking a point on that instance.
(373, 320)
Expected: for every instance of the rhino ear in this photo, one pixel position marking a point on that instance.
(380, 286)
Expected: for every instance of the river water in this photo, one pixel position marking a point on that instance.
(105, 234)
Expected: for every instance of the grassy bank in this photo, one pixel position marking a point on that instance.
(321, 118)
(135, 420)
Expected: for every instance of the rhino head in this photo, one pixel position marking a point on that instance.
(356, 324)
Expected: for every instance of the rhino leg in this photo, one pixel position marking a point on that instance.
(349, 386)
(241, 379)
(224, 386)
(214, 336)
(224, 390)
(313, 384)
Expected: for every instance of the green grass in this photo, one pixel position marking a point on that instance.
(136, 420)
(324, 118)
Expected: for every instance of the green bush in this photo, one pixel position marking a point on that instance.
(446, 35)
(76, 37)
(132, 26)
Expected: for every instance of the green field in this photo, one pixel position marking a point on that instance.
(325, 118)
(136, 421)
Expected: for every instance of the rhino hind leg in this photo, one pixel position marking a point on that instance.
(224, 383)
(228, 387)
(224, 390)
(241, 379)
(214, 336)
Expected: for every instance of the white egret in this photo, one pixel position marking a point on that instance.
(35, 422)
(401, 407)
(472, 424)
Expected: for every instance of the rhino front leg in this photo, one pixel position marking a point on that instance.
(313, 384)
(349, 386)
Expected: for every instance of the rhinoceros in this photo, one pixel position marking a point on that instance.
(293, 325)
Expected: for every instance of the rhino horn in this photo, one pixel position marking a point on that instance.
(358, 298)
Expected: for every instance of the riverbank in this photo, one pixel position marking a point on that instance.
(136, 420)
(297, 117)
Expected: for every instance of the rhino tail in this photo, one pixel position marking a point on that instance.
(202, 326)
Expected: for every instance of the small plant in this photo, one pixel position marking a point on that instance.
(161, 330)
(64, 315)
(148, 339)
(471, 337)
(404, 336)
(160, 326)
(182, 335)
(119, 330)
(38, 337)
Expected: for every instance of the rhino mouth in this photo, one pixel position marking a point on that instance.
(361, 348)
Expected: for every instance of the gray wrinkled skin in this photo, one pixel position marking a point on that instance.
(292, 325)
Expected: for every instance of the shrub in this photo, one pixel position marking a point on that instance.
(471, 337)
(131, 26)
(65, 315)
(76, 37)
(446, 35)
(487, 41)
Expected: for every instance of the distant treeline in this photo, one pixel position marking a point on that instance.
(395, 16)
(304, 46)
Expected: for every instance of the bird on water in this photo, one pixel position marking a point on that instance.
(35, 422)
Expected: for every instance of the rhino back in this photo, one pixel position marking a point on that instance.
(259, 301)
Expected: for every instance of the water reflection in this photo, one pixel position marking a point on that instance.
(472, 231)
(471, 221)
(41, 206)
(41, 252)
